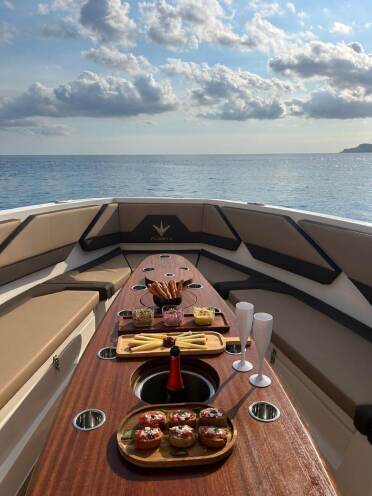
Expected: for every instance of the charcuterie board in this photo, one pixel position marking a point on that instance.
(214, 345)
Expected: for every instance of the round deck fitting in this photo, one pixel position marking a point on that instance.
(107, 353)
(264, 411)
(89, 419)
(195, 285)
(139, 287)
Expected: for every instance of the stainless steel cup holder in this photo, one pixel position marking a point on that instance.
(194, 285)
(264, 411)
(89, 419)
(148, 269)
(164, 256)
(233, 348)
(217, 311)
(125, 314)
(183, 268)
(139, 287)
(107, 353)
(169, 274)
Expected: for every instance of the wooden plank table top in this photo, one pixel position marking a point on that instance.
(274, 459)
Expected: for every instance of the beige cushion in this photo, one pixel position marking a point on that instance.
(108, 222)
(114, 271)
(214, 224)
(351, 250)
(340, 360)
(217, 272)
(31, 332)
(6, 227)
(273, 232)
(47, 232)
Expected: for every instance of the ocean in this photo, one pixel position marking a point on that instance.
(338, 184)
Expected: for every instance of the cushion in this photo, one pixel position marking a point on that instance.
(32, 331)
(330, 354)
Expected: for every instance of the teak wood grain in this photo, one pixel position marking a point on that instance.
(275, 459)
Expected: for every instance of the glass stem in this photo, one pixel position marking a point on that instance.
(242, 359)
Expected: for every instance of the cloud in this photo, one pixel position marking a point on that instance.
(266, 9)
(111, 57)
(329, 105)
(90, 95)
(58, 5)
(8, 4)
(339, 27)
(343, 66)
(262, 35)
(187, 23)
(291, 7)
(35, 127)
(7, 32)
(243, 110)
(66, 28)
(227, 94)
(109, 22)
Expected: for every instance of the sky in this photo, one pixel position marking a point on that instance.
(184, 76)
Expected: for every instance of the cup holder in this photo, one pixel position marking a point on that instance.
(125, 314)
(89, 419)
(233, 348)
(164, 256)
(217, 311)
(200, 379)
(194, 285)
(148, 269)
(107, 353)
(169, 274)
(264, 411)
(183, 268)
(139, 287)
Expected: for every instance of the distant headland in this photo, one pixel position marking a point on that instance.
(363, 148)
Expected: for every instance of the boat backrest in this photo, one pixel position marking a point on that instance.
(350, 249)
(104, 230)
(40, 241)
(277, 240)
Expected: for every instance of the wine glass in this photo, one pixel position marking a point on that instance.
(244, 315)
(262, 329)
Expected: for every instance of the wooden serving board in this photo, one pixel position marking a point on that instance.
(162, 456)
(214, 341)
(220, 324)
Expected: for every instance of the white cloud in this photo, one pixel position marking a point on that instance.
(66, 28)
(109, 21)
(8, 4)
(265, 9)
(7, 32)
(90, 95)
(340, 28)
(291, 7)
(227, 94)
(111, 57)
(343, 66)
(187, 23)
(329, 105)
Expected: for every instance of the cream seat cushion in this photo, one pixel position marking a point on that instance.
(338, 360)
(114, 271)
(32, 331)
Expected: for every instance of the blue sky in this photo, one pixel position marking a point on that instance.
(184, 76)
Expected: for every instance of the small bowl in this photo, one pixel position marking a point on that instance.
(159, 302)
(172, 315)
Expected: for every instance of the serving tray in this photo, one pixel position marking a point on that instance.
(166, 455)
(214, 341)
(220, 324)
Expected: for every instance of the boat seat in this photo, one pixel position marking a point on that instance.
(335, 358)
(105, 275)
(33, 330)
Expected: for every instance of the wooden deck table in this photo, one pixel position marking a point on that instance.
(273, 459)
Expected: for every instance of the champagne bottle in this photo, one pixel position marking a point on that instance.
(175, 386)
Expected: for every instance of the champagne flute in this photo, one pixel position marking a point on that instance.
(262, 329)
(244, 314)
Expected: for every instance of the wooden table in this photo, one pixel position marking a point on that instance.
(272, 459)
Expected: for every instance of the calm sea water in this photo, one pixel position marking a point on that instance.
(329, 183)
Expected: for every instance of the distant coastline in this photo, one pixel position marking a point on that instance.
(362, 148)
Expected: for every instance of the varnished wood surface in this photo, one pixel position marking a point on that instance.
(275, 459)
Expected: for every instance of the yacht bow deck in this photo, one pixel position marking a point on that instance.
(277, 458)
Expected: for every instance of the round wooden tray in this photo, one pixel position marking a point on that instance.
(162, 457)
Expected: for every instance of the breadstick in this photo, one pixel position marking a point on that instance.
(147, 346)
(151, 289)
(172, 288)
(166, 290)
(160, 291)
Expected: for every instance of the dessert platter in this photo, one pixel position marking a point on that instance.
(172, 435)
(153, 345)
